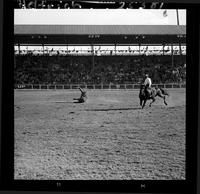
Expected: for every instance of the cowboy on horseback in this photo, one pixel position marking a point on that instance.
(147, 84)
(148, 93)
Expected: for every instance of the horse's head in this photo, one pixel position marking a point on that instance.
(142, 92)
(142, 86)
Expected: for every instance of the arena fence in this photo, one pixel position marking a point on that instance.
(92, 86)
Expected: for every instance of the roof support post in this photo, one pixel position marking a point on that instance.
(177, 15)
(67, 49)
(172, 53)
(139, 49)
(163, 49)
(19, 48)
(180, 46)
(43, 48)
(92, 57)
(35, 4)
(92, 49)
(14, 60)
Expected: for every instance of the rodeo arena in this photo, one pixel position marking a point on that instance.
(79, 75)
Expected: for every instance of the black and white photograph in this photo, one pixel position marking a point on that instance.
(99, 93)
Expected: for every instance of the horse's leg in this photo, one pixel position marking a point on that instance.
(163, 97)
(153, 100)
(140, 102)
(144, 103)
(165, 100)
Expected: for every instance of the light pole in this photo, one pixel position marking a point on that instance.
(177, 15)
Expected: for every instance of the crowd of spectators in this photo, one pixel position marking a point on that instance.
(31, 69)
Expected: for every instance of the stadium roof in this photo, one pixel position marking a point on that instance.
(99, 29)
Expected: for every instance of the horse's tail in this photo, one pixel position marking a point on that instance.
(164, 92)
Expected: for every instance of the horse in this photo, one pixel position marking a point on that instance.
(153, 93)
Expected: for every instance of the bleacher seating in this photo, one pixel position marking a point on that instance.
(46, 69)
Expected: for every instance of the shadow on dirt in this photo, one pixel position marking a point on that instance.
(63, 102)
(113, 109)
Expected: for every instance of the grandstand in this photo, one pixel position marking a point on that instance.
(99, 56)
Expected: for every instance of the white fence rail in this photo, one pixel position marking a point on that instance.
(92, 86)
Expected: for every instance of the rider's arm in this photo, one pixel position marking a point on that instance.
(81, 90)
(150, 82)
(145, 82)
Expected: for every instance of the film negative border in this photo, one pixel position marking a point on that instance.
(81, 4)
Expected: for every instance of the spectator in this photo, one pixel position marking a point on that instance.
(39, 69)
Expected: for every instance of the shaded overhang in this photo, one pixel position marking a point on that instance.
(99, 29)
(107, 34)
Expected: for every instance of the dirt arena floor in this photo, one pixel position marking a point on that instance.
(108, 137)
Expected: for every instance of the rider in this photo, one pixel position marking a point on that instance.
(147, 84)
(83, 96)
